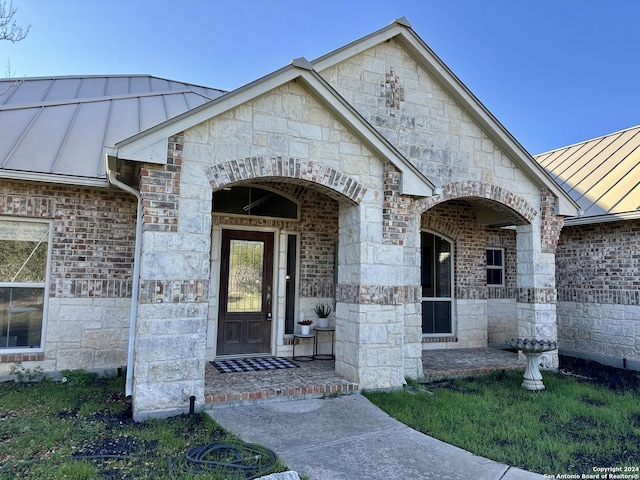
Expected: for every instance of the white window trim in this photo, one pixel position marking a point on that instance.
(451, 298)
(44, 285)
(501, 267)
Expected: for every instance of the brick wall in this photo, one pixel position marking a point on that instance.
(599, 292)
(91, 268)
(551, 224)
(318, 228)
(599, 263)
(456, 220)
(395, 208)
(93, 236)
(160, 190)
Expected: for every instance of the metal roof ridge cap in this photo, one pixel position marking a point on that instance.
(619, 132)
(109, 98)
(404, 21)
(302, 62)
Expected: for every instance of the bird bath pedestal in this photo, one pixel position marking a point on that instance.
(532, 349)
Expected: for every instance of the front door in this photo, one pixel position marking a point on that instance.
(246, 276)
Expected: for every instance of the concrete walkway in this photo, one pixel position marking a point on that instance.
(349, 438)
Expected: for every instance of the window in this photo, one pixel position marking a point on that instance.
(495, 266)
(254, 201)
(24, 254)
(437, 285)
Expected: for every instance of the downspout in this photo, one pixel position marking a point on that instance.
(109, 157)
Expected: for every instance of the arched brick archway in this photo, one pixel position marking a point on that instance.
(442, 227)
(266, 167)
(481, 191)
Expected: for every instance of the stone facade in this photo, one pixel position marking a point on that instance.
(358, 233)
(89, 296)
(359, 236)
(599, 291)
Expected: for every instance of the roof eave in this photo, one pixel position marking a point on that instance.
(53, 178)
(150, 145)
(607, 218)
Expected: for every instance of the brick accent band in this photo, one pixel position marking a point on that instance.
(597, 295)
(378, 294)
(174, 291)
(278, 167)
(397, 295)
(537, 295)
(21, 357)
(439, 339)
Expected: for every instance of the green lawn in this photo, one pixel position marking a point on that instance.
(571, 427)
(82, 429)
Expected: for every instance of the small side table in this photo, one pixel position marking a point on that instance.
(325, 356)
(304, 358)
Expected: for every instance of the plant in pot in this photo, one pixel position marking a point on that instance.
(304, 326)
(322, 311)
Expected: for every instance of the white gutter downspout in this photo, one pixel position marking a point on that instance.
(111, 176)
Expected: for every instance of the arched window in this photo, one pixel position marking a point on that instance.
(254, 201)
(437, 284)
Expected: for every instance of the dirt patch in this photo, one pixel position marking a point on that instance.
(615, 379)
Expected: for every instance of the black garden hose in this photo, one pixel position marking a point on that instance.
(250, 460)
(246, 459)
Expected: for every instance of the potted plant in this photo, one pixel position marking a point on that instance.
(304, 326)
(322, 311)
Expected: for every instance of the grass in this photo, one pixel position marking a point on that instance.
(82, 429)
(571, 427)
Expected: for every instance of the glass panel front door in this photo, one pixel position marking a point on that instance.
(246, 260)
(244, 314)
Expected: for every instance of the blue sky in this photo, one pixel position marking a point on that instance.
(554, 72)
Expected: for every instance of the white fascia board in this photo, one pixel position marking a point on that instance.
(612, 217)
(53, 178)
(143, 152)
(413, 181)
(138, 145)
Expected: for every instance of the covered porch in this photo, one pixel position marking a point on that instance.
(318, 379)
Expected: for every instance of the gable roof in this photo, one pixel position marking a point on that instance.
(55, 128)
(151, 144)
(602, 175)
(401, 31)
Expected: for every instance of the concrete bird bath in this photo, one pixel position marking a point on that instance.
(532, 349)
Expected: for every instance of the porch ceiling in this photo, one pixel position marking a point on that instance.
(493, 214)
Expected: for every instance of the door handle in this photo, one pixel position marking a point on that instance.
(269, 316)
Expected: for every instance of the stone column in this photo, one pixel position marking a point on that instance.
(536, 289)
(170, 343)
(370, 311)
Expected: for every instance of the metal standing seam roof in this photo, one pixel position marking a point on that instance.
(602, 175)
(60, 125)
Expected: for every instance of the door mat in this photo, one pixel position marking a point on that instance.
(252, 364)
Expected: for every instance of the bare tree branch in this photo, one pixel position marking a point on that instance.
(8, 28)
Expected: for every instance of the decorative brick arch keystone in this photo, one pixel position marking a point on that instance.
(480, 190)
(265, 167)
